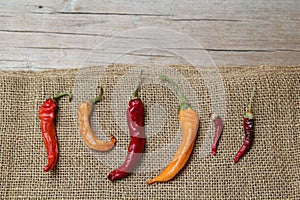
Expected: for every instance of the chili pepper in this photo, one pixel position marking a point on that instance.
(88, 136)
(135, 122)
(189, 122)
(47, 116)
(249, 131)
(219, 128)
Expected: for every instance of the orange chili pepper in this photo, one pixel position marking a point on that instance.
(88, 136)
(189, 123)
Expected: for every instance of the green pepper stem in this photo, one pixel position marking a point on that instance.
(183, 101)
(97, 98)
(136, 88)
(251, 98)
(58, 96)
(135, 91)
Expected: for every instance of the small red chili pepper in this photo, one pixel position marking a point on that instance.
(47, 116)
(135, 121)
(219, 128)
(249, 131)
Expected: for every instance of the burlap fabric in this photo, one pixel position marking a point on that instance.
(269, 171)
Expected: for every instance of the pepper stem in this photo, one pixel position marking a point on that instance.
(183, 101)
(251, 98)
(137, 87)
(58, 96)
(97, 98)
(249, 113)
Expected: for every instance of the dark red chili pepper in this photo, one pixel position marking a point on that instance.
(47, 116)
(219, 128)
(249, 131)
(135, 121)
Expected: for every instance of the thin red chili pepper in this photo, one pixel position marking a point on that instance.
(135, 121)
(219, 128)
(47, 116)
(249, 131)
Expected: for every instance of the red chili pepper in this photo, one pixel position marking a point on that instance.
(47, 116)
(135, 121)
(249, 131)
(219, 128)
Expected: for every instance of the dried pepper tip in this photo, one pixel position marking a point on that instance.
(113, 140)
(183, 102)
(249, 113)
(96, 99)
(58, 96)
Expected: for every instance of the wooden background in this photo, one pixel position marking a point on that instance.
(61, 34)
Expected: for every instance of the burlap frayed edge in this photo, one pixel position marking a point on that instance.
(233, 70)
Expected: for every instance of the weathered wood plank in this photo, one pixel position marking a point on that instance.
(61, 34)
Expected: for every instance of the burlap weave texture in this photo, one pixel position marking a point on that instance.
(269, 171)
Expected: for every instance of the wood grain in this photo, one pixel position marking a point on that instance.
(61, 34)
